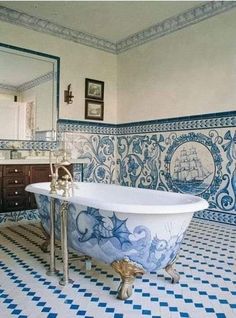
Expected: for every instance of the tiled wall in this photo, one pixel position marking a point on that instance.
(189, 155)
(194, 154)
(94, 142)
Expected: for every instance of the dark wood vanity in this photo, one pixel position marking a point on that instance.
(14, 179)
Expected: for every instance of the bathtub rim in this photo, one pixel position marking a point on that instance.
(198, 205)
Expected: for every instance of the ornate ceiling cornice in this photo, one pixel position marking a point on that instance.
(175, 23)
(8, 87)
(27, 85)
(36, 82)
(172, 24)
(45, 26)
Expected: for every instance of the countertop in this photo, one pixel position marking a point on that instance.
(35, 160)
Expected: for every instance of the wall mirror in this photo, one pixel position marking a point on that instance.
(29, 94)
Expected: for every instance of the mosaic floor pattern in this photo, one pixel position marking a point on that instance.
(207, 288)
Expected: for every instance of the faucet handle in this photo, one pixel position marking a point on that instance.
(66, 186)
(66, 177)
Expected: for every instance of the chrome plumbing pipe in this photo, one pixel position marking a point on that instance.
(52, 271)
(64, 248)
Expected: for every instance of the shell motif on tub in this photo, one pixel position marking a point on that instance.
(135, 230)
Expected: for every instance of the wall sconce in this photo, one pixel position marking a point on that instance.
(68, 97)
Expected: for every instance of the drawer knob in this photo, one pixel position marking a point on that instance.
(16, 204)
(16, 192)
(16, 170)
(16, 181)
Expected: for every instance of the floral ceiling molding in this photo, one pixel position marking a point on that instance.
(172, 24)
(30, 84)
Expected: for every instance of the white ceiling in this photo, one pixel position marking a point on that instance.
(112, 20)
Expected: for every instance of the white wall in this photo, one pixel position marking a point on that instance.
(188, 72)
(191, 71)
(77, 63)
(7, 95)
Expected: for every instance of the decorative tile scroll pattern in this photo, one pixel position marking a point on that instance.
(200, 162)
(9, 218)
(100, 150)
(145, 154)
(172, 24)
(206, 264)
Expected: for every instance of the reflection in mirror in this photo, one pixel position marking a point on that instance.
(28, 94)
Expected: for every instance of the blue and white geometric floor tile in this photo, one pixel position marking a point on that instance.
(207, 287)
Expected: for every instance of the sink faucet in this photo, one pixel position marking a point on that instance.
(56, 183)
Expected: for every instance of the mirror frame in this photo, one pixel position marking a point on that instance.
(34, 144)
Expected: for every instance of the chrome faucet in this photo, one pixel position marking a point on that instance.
(56, 183)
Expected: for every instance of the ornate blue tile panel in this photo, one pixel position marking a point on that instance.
(100, 150)
(9, 218)
(200, 162)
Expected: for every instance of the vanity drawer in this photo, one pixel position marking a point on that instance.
(12, 170)
(14, 193)
(15, 204)
(40, 173)
(1, 171)
(17, 181)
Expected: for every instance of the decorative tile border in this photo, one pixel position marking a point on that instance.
(163, 28)
(27, 145)
(8, 218)
(65, 125)
(211, 120)
(221, 217)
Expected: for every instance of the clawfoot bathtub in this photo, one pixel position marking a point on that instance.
(135, 230)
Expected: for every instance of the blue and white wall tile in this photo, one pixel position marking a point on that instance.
(200, 161)
(27, 216)
(95, 142)
(152, 155)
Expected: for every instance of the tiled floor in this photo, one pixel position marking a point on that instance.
(207, 287)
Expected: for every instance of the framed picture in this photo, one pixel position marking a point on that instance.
(94, 109)
(94, 89)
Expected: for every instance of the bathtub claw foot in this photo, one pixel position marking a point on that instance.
(175, 277)
(128, 270)
(64, 282)
(44, 246)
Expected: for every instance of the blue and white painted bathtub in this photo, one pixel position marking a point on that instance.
(113, 223)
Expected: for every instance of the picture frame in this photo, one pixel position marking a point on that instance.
(94, 89)
(94, 109)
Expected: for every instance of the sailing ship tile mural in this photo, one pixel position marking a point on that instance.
(200, 162)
